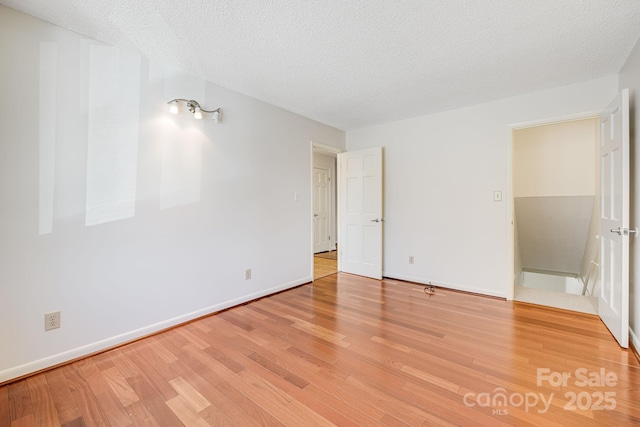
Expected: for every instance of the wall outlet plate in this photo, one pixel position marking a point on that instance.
(51, 320)
(247, 274)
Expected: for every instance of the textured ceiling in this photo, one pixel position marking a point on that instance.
(361, 62)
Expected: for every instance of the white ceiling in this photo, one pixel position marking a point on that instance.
(355, 63)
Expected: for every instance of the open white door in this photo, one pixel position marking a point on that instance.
(321, 210)
(360, 212)
(614, 218)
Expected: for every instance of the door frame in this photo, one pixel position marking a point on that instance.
(333, 151)
(509, 196)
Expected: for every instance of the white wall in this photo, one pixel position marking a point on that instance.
(126, 218)
(555, 160)
(630, 78)
(440, 174)
(553, 232)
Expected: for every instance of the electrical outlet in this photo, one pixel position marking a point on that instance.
(51, 320)
(247, 274)
(411, 259)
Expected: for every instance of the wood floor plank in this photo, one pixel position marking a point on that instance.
(161, 351)
(141, 416)
(185, 412)
(214, 416)
(441, 406)
(124, 366)
(303, 367)
(323, 267)
(338, 411)
(221, 409)
(26, 421)
(93, 376)
(237, 320)
(86, 402)
(249, 412)
(393, 404)
(62, 399)
(264, 394)
(319, 332)
(5, 413)
(120, 387)
(192, 338)
(104, 394)
(189, 394)
(19, 400)
(344, 350)
(224, 359)
(152, 368)
(77, 422)
(44, 411)
(279, 371)
(337, 386)
(103, 361)
(154, 402)
(199, 362)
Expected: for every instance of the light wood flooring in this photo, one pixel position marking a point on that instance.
(325, 264)
(345, 351)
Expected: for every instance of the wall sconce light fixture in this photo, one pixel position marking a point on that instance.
(194, 108)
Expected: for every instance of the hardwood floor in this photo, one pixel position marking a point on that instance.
(323, 267)
(348, 351)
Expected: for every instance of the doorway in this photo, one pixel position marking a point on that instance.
(324, 210)
(358, 190)
(555, 214)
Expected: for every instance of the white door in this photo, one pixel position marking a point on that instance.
(360, 212)
(614, 218)
(321, 210)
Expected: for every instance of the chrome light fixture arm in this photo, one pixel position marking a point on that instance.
(194, 108)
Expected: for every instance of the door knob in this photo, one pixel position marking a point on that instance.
(375, 220)
(315, 215)
(622, 231)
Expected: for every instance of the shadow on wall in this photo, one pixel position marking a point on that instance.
(553, 232)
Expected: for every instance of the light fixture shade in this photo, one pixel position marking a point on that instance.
(194, 108)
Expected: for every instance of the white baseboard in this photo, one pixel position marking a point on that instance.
(454, 286)
(102, 345)
(634, 340)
